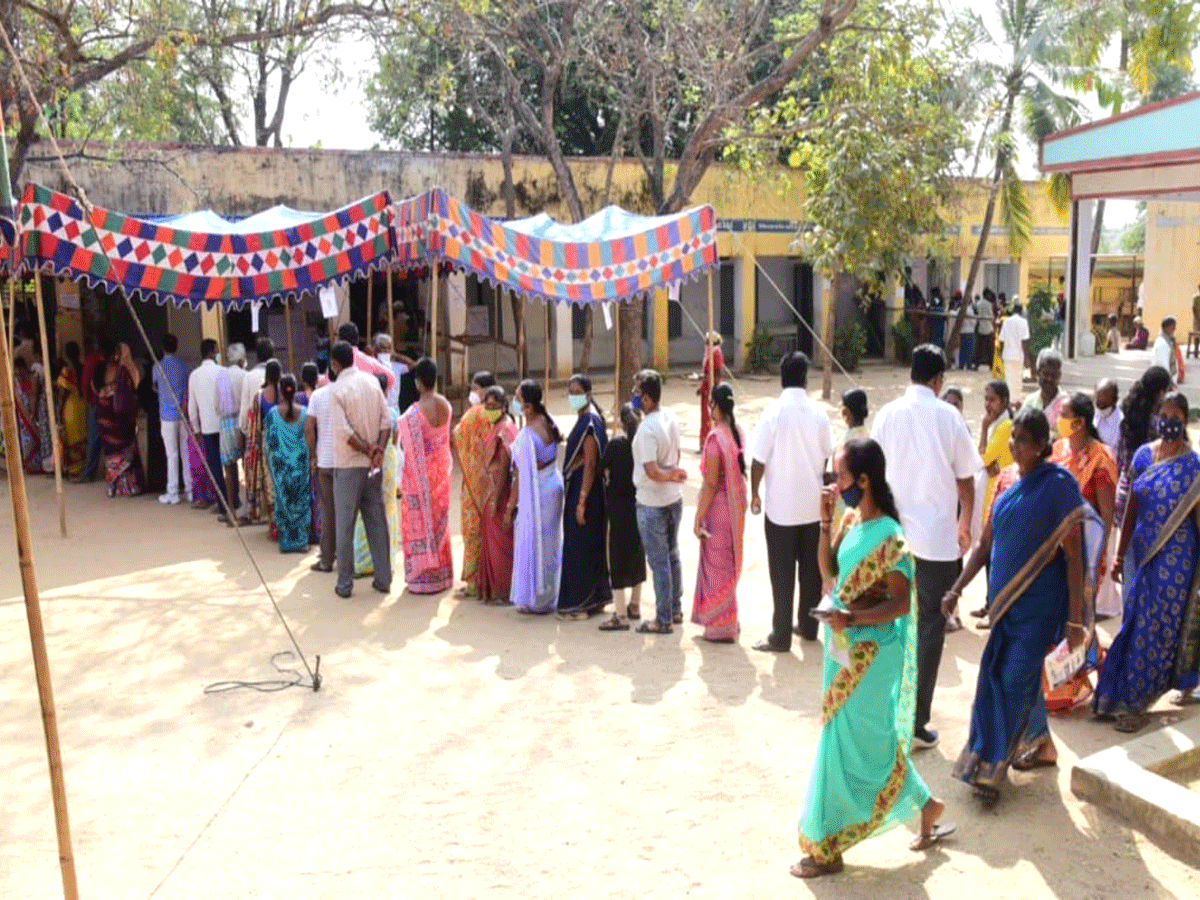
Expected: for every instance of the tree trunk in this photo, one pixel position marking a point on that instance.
(830, 315)
(510, 212)
(984, 232)
(1097, 232)
(629, 334)
(585, 356)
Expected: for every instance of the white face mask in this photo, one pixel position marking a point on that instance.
(473, 398)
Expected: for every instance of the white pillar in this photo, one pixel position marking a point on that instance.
(1079, 277)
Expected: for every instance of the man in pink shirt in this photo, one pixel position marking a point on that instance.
(348, 332)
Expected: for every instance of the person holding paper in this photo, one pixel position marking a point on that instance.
(863, 780)
(1036, 584)
(1158, 646)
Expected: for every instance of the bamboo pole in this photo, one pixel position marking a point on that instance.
(435, 294)
(709, 354)
(37, 636)
(546, 367)
(391, 311)
(49, 389)
(12, 312)
(370, 307)
(287, 324)
(617, 401)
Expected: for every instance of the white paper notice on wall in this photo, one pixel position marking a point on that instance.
(329, 301)
(607, 307)
(254, 307)
(673, 292)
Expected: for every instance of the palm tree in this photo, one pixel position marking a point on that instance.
(1028, 104)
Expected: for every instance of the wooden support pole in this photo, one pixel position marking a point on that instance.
(55, 449)
(617, 395)
(12, 313)
(546, 367)
(37, 636)
(709, 354)
(390, 310)
(436, 287)
(370, 307)
(522, 345)
(287, 325)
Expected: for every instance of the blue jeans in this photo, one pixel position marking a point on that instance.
(966, 350)
(659, 528)
(93, 443)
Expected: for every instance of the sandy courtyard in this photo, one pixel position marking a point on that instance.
(462, 751)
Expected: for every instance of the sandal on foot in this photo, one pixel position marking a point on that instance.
(614, 624)
(928, 839)
(632, 612)
(810, 868)
(1032, 761)
(653, 627)
(980, 613)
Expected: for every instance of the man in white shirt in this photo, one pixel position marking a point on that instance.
(658, 482)
(203, 416)
(1108, 416)
(1164, 349)
(985, 324)
(253, 381)
(398, 363)
(1014, 335)
(318, 432)
(931, 466)
(791, 445)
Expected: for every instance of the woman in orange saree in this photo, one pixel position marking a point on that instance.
(720, 523)
(470, 436)
(493, 577)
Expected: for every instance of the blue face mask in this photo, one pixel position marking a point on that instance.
(515, 408)
(852, 496)
(1170, 429)
(635, 400)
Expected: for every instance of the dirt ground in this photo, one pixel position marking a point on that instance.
(462, 751)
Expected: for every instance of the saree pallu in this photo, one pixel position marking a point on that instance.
(425, 511)
(118, 410)
(37, 453)
(1158, 646)
(470, 435)
(537, 553)
(260, 489)
(714, 604)
(363, 564)
(1028, 587)
(585, 554)
(74, 422)
(203, 489)
(714, 363)
(287, 456)
(493, 577)
(863, 780)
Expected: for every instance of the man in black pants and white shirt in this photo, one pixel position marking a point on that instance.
(931, 466)
(791, 445)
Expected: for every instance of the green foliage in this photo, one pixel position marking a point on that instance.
(1040, 313)
(1133, 236)
(903, 340)
(758, 350)
(849, 344)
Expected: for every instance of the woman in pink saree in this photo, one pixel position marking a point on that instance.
(425, 486)
(720, 523)
(493, 576)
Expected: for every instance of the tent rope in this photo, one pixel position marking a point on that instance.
(294, 679)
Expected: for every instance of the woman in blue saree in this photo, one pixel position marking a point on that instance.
(288, 460)
(1158, 646)
(863, 780)
(1037, 584)
(536, 501)
(585, 524)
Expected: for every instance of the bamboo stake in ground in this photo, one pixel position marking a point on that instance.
(287, 324)
(709, 350)
(546, 367)
(50, 407)
(37, 637)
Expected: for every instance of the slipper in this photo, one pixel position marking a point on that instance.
(653, 628)
(980, 613)
(614, 624)
(1027, 764)
(810, 868)
(928, 839)
(632, 612)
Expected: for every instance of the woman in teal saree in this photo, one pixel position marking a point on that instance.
(863, 781)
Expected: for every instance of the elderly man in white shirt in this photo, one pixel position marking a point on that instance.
(790, 448)
(319, 433)
(204, 416)
(1108, 416)
(253, 381)
(1164, 349)
(931, 466)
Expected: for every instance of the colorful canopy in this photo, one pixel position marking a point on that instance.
(200, 259)
(612, 256)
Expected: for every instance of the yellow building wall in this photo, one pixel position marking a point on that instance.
(1172, 263)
